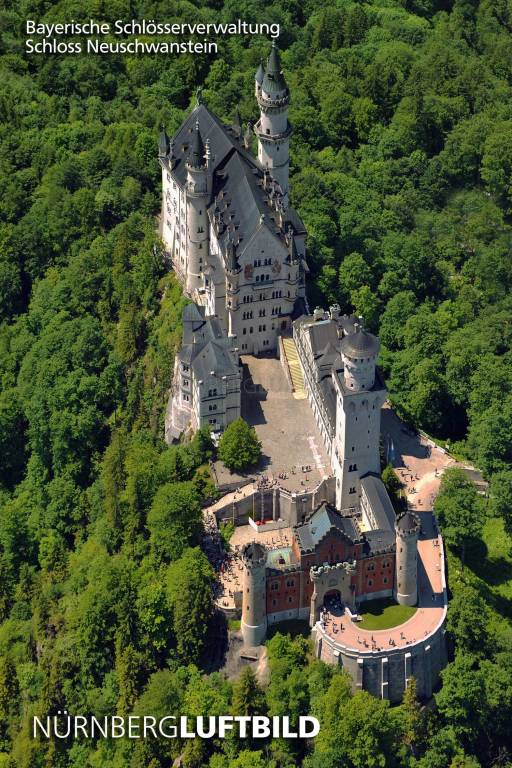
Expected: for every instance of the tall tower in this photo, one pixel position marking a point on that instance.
(198, 192)
(233, 270)
(359, 398)
(254, 598)
(273, 129)
(407, 530)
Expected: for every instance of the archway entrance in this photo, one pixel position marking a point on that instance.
(333, 602)
(329, 581)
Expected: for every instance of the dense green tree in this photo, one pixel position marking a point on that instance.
(414, 720)
(174, 519)
(501, 496)
(468, 621)
(239, 446)
(247, 694)
(189, 589)
(459, 509)
(400, 169)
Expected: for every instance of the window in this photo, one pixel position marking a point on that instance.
(385, 580)
(352, 490)
(290, 599)
(290, 583)
(200, 229)
(212, 421)
(274, 603)
(212, 407)
(370, 582)
(275, 586)
(244, 332)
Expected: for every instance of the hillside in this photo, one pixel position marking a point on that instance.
(401, 169)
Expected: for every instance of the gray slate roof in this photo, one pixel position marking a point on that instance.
(238, 178)
(273, 81)
(205, 346)
(380, 502)
(213, 357)
(196, 156)
(360, 344)
(379, 541)
(260, 74)
(325, 519)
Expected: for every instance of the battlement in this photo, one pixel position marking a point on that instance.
(254, 555)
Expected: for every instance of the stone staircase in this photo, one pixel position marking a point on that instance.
(292, 360)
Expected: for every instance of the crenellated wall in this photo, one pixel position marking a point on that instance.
(277, 503)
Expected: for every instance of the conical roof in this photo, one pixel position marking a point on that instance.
(196, 155)
(260, 74)
(163, 143)
(360, 344)
(273, 81)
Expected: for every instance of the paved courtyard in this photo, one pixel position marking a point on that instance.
(230, 575)
(420, 465)
(285, 426)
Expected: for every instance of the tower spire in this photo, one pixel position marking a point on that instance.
(273, 129)
(274, 79)
(196, 155)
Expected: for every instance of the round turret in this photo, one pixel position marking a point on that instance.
(254, 597)
(407, 530)
(359, 352)
(197, 191)
(273, 129)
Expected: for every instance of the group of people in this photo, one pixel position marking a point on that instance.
(229, 571)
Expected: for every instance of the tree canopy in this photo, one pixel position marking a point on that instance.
(400, 168)
(239, 447)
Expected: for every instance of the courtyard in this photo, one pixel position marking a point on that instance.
(291, 443)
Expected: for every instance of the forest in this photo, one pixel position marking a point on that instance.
(402, 171)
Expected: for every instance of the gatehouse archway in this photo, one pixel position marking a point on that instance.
(329, 579)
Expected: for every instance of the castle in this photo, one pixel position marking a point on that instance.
(239, 250)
